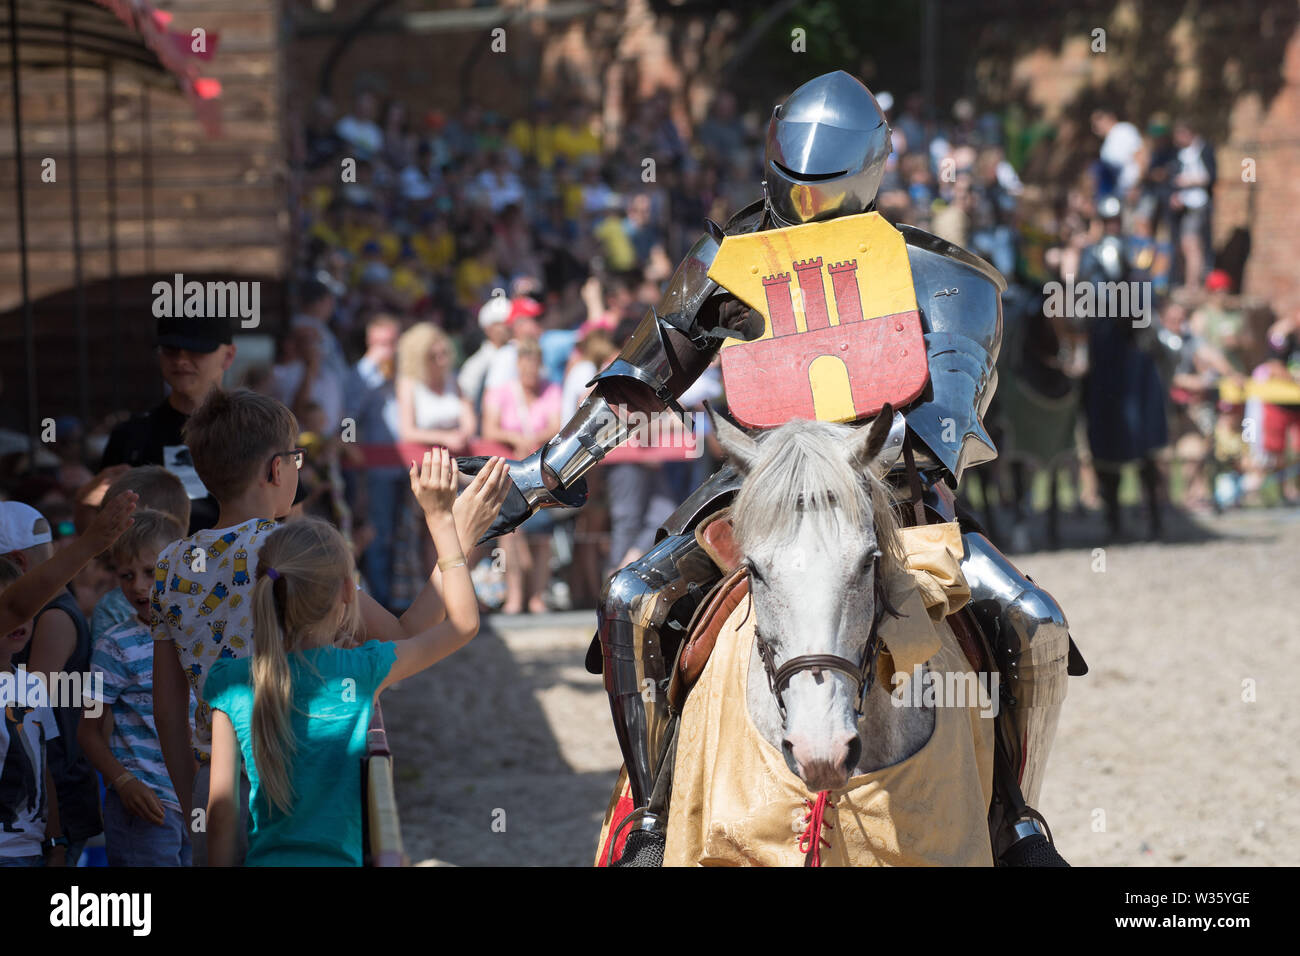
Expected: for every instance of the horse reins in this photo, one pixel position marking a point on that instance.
(862, 674)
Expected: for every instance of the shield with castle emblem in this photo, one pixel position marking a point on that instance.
(842, 329)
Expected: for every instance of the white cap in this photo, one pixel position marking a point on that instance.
(495, 310)
(18, 527)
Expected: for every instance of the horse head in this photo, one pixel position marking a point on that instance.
(815, 521)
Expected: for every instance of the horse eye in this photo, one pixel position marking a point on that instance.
(753, 571)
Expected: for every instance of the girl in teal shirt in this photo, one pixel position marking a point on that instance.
(297, 710)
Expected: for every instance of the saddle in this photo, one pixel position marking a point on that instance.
(715, 536)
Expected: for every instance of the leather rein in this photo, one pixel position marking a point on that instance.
(862, 674)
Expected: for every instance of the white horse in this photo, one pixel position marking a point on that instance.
(815, 522)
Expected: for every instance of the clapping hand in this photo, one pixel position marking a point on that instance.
(434, 483)
(480, 503)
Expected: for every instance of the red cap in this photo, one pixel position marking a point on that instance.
(1218, 281)
(524, 306)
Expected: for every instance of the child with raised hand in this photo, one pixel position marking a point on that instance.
(297, 711)
(243, 447)
(24, 599)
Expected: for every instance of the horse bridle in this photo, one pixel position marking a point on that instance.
(863, 675)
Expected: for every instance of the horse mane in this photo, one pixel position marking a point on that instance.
(807, 461)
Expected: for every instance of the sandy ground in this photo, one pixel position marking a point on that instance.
(505, 752)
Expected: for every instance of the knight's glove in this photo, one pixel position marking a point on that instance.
(736, 319)
(529, 492)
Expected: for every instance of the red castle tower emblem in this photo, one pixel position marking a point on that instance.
(840, 366)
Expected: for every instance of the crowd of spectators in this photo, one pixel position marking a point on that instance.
(466, 276)
(460, 278)
(1198, 382)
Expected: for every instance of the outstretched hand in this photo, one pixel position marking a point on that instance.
(480, 503)
(91, 494)
(112, 520)
(434, 482)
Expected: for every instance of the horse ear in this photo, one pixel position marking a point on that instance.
(740, 448)
(877, 446)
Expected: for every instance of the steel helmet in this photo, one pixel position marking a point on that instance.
(826, 151)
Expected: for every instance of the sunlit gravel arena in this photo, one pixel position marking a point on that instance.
(506, 753)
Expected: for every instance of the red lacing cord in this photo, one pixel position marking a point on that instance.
(815, 819)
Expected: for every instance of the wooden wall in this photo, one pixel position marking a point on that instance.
(218, 206)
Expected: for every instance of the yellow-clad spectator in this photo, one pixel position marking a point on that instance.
(435, 246)
(572, 193)
(319, 198)
(475, 275)
(323, 229)
(577, 138)
(535, 135)
(355, 230)
(620, 254)
(365, 224)
(409, 282)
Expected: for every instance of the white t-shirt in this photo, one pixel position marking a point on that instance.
(706, 388)
(434, 409)
(362, 135)
(499, 191)
(1120, 149)
(1192, 164)
(203, 607)
(504, 367)
(575, 387)
(24, 732)
(474, 372)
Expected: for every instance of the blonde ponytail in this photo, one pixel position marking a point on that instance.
(273, 743)
(299, 571)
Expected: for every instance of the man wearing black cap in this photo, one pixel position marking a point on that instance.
(193, 354)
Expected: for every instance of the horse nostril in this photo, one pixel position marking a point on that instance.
(855, 754)
(788, 747)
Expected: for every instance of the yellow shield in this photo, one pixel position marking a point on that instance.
(842, 329)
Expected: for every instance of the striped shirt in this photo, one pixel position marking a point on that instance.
(113, 608)
(124, 655)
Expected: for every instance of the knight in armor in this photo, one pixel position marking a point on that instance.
(825, 155)
(1124, 398)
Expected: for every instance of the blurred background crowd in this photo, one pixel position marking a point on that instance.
(460, 277)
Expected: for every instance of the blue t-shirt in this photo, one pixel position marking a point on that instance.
(333, 696)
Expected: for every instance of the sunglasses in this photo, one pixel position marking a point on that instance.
(299, 455)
